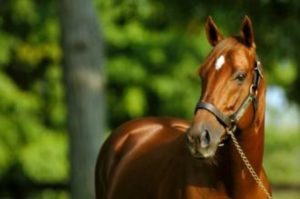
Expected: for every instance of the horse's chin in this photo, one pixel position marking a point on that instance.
(203, 155)
(210, 160)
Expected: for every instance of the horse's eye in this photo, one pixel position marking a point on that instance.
(240, 77)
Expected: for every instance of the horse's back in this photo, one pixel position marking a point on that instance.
(137, 155)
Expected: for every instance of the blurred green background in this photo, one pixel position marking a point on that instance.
(153, 49)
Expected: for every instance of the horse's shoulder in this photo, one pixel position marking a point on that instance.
(138, 129)
(135, 136)
(163, 121)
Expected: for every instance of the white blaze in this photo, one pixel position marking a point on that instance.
(219, 62)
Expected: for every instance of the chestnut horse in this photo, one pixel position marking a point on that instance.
(218, 155)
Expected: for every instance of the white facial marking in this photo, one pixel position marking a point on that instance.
(219, 62)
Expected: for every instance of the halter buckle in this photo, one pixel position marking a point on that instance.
(253, 90)
(258, 68)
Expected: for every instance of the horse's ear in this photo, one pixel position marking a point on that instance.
(247, 32)
(212, 32)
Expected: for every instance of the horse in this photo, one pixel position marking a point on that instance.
(218, 154)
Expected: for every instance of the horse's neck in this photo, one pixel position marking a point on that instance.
(252, 146)
(251, 141)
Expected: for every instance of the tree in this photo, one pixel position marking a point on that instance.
(83, 73)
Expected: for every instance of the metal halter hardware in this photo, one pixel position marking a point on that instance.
(230, 121)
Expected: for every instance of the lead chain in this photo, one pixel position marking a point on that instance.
(248, 165)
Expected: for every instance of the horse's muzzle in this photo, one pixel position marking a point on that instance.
(201, 145)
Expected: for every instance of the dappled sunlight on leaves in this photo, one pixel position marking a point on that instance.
(45, 158)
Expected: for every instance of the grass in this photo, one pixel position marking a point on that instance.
(282, 156)
(294, 194)
(282, 160)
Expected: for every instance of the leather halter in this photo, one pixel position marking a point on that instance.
(230, 122)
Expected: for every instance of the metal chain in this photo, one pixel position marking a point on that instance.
(248, 165)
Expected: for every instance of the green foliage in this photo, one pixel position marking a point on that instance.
(284, 72)
(150, 64)
(15, 119)
(7, 43)
(282, 157)
(44, 158)
(32, 110)
(135, 100)
(50, 194)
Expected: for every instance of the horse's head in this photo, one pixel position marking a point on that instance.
(230, 77)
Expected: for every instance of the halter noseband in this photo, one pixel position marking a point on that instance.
(231, 121)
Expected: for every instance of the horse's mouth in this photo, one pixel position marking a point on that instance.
(207, 155)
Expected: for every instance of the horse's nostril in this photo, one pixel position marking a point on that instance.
(205, 138)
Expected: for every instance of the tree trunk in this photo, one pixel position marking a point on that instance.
(83, 73)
